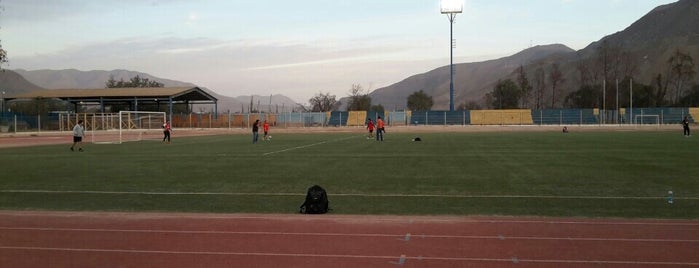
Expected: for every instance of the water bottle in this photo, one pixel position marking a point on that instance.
(670, 197)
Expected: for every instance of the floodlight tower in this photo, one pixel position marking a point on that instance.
(451, 8)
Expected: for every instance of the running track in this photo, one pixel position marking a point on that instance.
(88, 239)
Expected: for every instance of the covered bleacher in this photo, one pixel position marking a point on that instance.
(133, 97)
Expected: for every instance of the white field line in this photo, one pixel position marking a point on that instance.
(308, 145)
(372, 235)
(403, 258)
(348, 195)
(353, 218)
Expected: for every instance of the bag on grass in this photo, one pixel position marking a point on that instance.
(316, 201)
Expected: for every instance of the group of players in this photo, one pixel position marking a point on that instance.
(256, 129)
(380, 128)
(79, 131)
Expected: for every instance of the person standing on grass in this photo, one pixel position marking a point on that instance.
(370, 127)
(379, 129)
(265, 128)
(78, 134)
(255, 130)
(166, 131)
(685, 126)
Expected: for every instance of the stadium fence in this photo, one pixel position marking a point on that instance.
(64, 121)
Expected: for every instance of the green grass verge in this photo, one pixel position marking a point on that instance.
(591, 174)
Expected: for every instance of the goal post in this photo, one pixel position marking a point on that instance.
(137, 125)
(647, 119)
(116, 128)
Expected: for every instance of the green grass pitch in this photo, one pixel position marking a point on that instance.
(585, 174)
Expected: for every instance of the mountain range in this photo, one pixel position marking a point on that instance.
(650, 40)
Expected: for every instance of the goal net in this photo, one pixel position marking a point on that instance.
(127, 126)
(647, 119)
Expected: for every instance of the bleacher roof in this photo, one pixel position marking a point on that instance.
(178, 94)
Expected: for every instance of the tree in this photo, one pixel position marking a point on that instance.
(524, 86)
(587, 96)
(608, 61)
(377, 108)
(135, 81)
(658, 96)
(359, 101)
(506, 95)
(692, 98)
(323, 102)
(420, 101)
(471, 105)
(681, 71)
(587, 75)
(643, 95)
(489, 100)
(3, 57)
(539, 87)
(556, 78)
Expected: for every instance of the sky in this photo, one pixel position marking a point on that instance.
(294, 48)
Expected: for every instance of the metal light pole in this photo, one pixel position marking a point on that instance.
(451, 8)
(630, 100)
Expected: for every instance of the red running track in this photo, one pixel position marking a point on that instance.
(83, 239)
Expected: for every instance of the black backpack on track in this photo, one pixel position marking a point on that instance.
(316, 201)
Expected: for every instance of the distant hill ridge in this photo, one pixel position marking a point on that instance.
(72, 78)
(652, 39)
(471, 80)
(13, 83)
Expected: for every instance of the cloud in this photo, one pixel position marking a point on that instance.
(241, 67)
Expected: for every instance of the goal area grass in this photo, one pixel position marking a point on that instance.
(577, 174)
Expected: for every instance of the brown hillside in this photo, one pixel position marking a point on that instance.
(12, 83)
(649, 41)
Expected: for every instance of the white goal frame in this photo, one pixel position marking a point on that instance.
(643, 119)
(125, 126)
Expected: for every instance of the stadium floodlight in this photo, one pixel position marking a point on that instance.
(451, 8)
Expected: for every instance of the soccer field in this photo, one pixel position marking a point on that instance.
(587, 174)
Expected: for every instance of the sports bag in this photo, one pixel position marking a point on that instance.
(316, 201)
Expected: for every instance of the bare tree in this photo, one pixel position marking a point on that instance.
(587, 76)
(323, 102)
(629, 63)
(359, 100)
(556, 78)
(608, 61)
(524, 87)
(539, 87)
(658, 99)
(681, 71)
